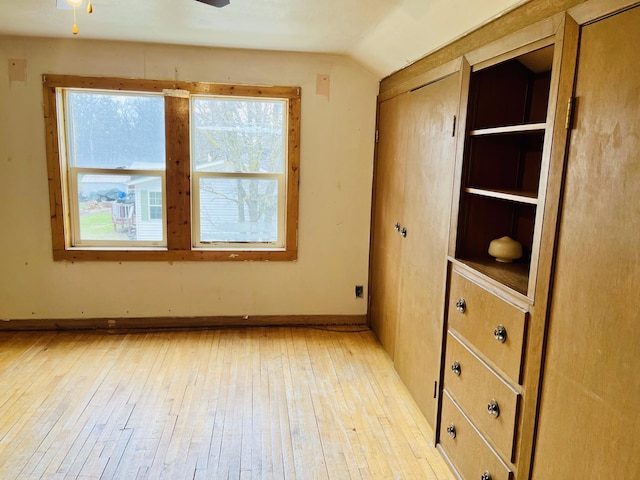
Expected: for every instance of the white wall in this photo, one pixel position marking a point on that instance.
(335, 192)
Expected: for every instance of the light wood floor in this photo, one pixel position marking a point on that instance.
(281, 403)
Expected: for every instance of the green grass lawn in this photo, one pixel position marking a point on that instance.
(97, 225)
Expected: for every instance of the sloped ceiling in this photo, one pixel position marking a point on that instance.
(382, 35)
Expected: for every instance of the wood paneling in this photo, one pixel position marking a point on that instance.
(276, 403)
(590, 412)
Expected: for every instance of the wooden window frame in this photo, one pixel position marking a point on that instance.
(178, 171)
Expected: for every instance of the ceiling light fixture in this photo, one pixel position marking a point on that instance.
(75, 4)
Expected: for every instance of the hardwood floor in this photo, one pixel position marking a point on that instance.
(281, 403)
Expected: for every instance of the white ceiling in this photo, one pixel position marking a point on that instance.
(383, 35)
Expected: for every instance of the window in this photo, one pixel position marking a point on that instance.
(159, 170)
(238, 170)
(155, 205)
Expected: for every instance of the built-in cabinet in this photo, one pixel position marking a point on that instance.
(495, 313)
(579, 240)
(414, 175)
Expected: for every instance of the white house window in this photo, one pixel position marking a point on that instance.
(160, 170)
(155, 205)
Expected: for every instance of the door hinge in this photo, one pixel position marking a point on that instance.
(568, 120)
(377, 136)
(453, 128)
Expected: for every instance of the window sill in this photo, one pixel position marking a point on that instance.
(144, 255)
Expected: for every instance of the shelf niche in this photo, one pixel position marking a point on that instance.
(502, 163)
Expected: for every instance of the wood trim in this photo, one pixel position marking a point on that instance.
(517, 19)
(162, 255)
(178, 164)
(146, 323)
(461, 132)
(56, 201)
(594, 10)
(544, 42)
(158, 86)
(533, 37)
(293, 178)
(424, 79)
(567, 46)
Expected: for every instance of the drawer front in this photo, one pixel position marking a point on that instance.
(484, 317)
(475, 388)
(468, 451)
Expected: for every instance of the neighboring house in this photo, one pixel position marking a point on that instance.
(147, 199)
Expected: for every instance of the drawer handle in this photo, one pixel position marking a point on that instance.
(403, 232)
(451, 430)
(456, 369)
(486, 475)
(397, 226)
(500, 333)
(461, 305)
(493, 409)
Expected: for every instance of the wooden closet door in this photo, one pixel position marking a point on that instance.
(430, 162)
(387, 211)
(590, 405)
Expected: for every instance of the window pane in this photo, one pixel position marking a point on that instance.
(120, 208)
(231, 135)
(238, 210)
(115, 130)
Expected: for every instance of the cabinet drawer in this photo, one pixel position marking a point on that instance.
(475, 388)
(479, 320)
(465, 448)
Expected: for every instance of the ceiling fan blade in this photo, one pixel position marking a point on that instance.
(215, 3)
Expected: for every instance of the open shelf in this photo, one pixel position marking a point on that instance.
(508, 162)
(513, 275)
(513, 196)
(502, 164)
(526, 127)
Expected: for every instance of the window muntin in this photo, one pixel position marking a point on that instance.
(239, 162)
(69, 165)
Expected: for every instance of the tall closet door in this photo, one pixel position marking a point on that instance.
(387, 213)
(590, 408)
(430, 162)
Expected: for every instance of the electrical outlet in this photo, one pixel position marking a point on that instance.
(359, 291)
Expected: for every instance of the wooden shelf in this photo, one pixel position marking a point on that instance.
(513, 275)
(524, 128)
(513, 196)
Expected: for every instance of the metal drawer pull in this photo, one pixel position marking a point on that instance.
(500, 333)
(461, 305)
(403, 232)
(455, 368)
(397, 226)
(493, 409)
(486, 475)
(451, 430)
